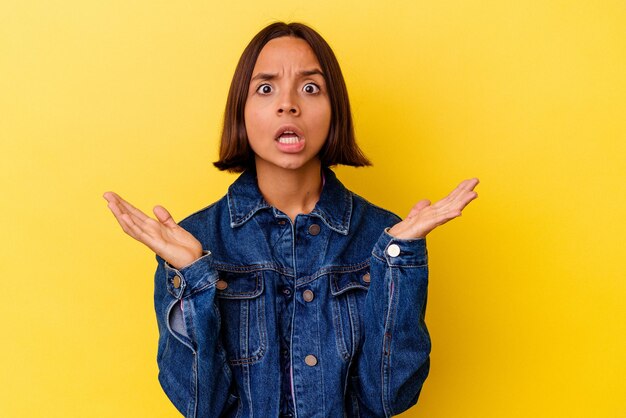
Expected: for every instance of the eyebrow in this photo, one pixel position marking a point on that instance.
(271, 76)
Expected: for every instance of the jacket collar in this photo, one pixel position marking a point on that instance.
(334, 207)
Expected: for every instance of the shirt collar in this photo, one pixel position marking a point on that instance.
(334, 207)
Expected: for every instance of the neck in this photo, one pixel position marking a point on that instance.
(291, 191)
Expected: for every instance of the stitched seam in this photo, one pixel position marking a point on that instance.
(341, 344)
(332, 269)
(251, 268)
(386, 369)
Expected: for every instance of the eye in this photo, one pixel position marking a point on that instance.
(264, 89)
(311, 88)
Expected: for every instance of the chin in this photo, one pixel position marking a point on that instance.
(288, 163)
(291, 165)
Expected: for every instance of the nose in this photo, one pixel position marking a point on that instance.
(288, 104)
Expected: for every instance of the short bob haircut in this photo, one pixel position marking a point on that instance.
(340, 146)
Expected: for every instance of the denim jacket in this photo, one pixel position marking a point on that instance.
(319, 317)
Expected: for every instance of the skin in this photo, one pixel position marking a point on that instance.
(290, 181)
(279, 94)
(283, 91)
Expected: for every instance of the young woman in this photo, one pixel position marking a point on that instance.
(291, 296)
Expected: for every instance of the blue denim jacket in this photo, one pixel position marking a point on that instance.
(319, 317)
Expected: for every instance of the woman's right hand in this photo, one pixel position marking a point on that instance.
(162, 235)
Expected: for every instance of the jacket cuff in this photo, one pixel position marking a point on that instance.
(401, 252)
(191, 278)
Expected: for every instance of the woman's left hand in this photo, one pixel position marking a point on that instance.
(425, 217)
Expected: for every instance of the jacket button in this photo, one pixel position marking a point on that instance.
(366, 277)
(221, 285)
(310, 360)
(287, 291)
(308, 295)
(176, 281)
(393, 250)
(314, 229)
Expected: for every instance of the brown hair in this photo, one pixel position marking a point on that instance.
(340, 146)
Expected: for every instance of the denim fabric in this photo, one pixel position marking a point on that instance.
(319, 317)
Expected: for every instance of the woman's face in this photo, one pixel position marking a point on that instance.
(287, 111)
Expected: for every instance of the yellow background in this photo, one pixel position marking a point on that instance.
(526, 305)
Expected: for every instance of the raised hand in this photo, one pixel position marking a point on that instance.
(162, 235)
(424, 217)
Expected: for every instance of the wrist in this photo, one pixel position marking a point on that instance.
(182, 262)
(400, 231)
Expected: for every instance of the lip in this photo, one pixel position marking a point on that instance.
(288, 127)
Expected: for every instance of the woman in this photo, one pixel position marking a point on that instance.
(291, 296)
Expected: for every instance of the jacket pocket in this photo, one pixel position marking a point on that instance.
(241, 302)
(349, 290)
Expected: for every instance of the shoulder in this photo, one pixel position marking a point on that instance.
(209, 215)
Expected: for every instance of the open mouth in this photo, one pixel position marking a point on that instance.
(288, 137)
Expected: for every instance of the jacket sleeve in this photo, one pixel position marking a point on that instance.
(193, 370)
(395, 356)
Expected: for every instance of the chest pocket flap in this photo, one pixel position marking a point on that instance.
(344, 281)
(246, 285)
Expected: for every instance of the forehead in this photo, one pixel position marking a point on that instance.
(286, 51)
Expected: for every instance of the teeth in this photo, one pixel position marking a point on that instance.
(288, 139)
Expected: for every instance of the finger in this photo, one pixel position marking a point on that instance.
(466, 198)
(456, 194)
(164, 216)
(130, 227)
(467, 193)
(418, 207)
(452, 195)
(109, 196)
(470, 184)
(453, 209)
(112, 199)
(131, 216)
(142, 232)
(117, 203)
(123, 219)
(448, 208)
(467, 184)
(127, 221)
(456, 207)
(125, 206)
(116, 209)
(146, 231)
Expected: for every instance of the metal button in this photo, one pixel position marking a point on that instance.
(366, 277)
(176, 281)
(287, 291)
(308, 295)
(393, 250)
(221, 285)
(310, 360)
(282, 222)
(314, 229)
